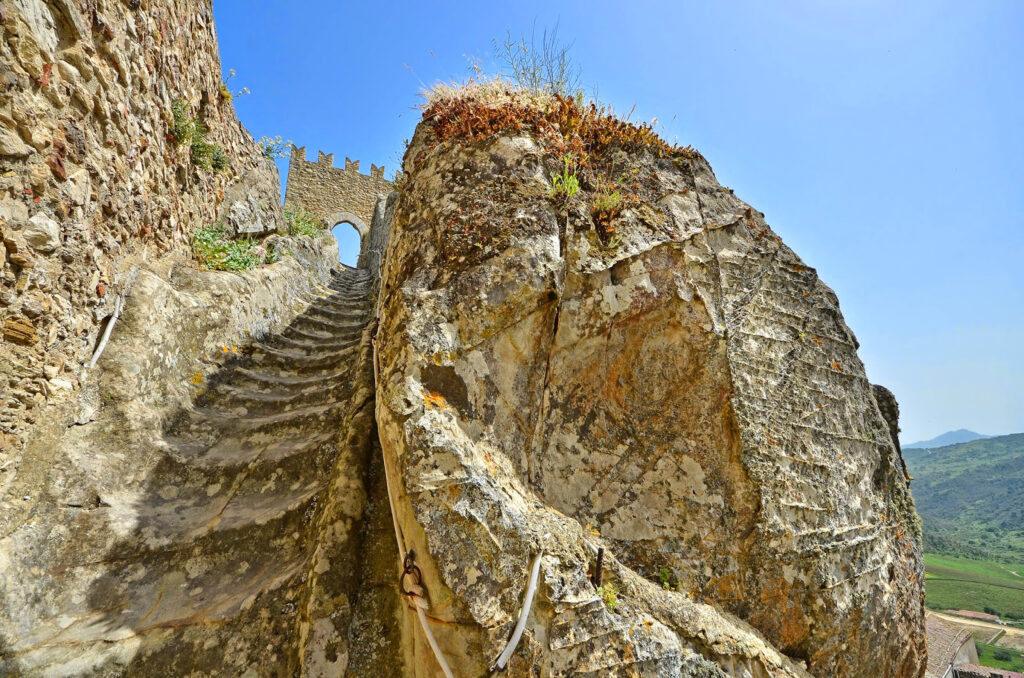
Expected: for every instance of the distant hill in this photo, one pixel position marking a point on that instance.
(971, 497)
(961, 435)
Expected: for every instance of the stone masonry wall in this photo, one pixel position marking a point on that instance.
(333, 193)
(92, 181)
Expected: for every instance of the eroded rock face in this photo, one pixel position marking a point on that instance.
(684, 394)
(662, 379)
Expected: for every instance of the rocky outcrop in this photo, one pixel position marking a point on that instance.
(662, 378)
(92, 180)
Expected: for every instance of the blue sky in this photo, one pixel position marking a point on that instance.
(884, 142)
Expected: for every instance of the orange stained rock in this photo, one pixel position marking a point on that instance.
(434, 399)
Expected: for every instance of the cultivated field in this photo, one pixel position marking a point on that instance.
(999, 657)
(962, 584)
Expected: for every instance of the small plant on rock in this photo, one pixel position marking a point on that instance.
(566, 184)
(215, 251)
(609, 202)
(226, 95)
(182, 124)
(302, 222)
(544, 66)
(603, 210)
(186, 129)
(219, 160)
(200, 150)
(609, 595)
(665, 577)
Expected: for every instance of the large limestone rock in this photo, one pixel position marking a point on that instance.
(672, 384)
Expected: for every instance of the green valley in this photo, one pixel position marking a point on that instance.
(971, 498)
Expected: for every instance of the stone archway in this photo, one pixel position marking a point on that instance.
(350, 218)
(338, 224)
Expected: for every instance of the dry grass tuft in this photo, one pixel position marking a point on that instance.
(487, 91)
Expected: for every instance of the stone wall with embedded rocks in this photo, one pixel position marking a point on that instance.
(91, 181)
(332, 193)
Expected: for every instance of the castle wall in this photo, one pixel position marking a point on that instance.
(92, 181)
(330, 192)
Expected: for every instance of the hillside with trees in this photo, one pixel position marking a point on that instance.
(971, 497)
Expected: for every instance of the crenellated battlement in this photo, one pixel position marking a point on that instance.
(334, 192)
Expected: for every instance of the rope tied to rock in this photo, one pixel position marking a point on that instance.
(414, 593)
(415, 598)
(106, 332)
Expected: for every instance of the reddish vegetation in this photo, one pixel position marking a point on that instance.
(576, 129)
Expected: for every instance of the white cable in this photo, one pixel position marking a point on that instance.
(106, 333)
(531, 589)
(433, 643)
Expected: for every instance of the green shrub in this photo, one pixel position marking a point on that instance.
(665, 577)
(566, 184)
(201, 149)
(186, 129)
(215, 251)
(225, 93)
(182, 124)
(220, 159)
(302, 222)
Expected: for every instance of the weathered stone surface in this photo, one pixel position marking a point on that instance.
(11, 145)
(203, 517)
(890, 410)
(42, 233)
(85, 112)
(19, 330)
(687, 396)
(248, 209)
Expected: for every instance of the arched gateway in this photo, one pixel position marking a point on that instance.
(335, 195)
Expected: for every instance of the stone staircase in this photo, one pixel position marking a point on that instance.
(226, 533)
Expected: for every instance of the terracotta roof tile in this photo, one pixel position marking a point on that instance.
(943, 640)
